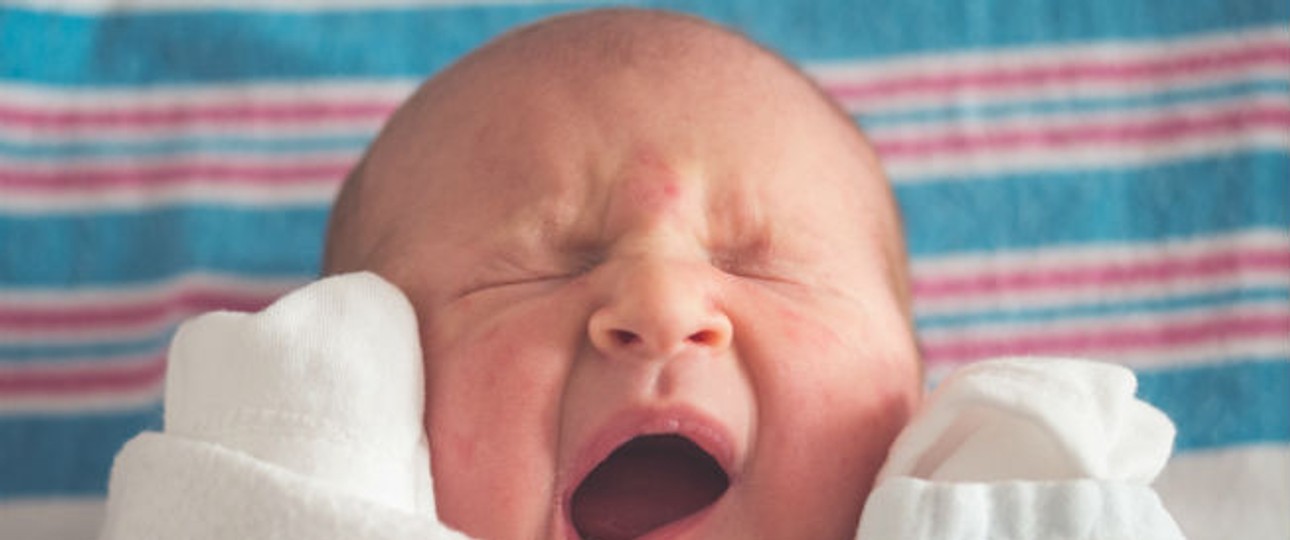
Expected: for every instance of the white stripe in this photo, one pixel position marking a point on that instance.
(161, 97)
(1098, 257)
(1197, 355)
(62, 518)
(1076, 297)
(266, 129)
(104, 299)
(1231, 493)
(1047, 56)
(192, 133)
(247, 196)
(83, 402)
(97, 165)
(1090, 155)
(1053, 90)
(266, 96)
(1119, 253)
(1117, 51)
(1178, 112)
(1206, 351)
(130, 295)
(91, 334)
(1107, 322)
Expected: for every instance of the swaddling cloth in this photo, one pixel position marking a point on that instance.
(1026, 448)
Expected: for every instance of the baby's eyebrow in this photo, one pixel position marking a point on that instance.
(738, 224)
(549, 246)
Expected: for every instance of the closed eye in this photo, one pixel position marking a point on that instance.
(489, 285)
(525, 278)
(749, 270)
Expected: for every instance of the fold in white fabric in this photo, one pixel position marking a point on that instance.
(1025, 448)
(907, 508)
(305, 421)
(301, 421)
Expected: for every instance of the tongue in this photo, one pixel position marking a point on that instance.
(645, 484)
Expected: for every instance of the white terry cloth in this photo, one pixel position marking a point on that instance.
(1026, 448)
(301, 421)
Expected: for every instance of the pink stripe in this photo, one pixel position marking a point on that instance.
(217, 114)
(113, 378)
(1193, 65)
(1110, 132)
(1070, 278)
(182, 304)
(1084, 342)
(170, 174)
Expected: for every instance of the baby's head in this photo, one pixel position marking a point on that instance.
(622, 224)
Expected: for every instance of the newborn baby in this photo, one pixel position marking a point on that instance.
(623, 224)
(659, 288)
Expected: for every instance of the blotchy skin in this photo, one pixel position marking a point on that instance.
(674, 234)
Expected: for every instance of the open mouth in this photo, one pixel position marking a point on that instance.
(648, 482)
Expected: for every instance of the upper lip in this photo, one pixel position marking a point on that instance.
(702, 429)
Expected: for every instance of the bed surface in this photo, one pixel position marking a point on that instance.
(1107, 179)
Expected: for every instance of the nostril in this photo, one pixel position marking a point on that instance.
(624, 337)
(704, 337)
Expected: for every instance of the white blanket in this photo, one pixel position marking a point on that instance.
(304, 421)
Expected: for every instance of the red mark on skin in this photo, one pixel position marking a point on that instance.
(654, 186)
(657, 196)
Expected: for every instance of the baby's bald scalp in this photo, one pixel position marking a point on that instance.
(583, 45)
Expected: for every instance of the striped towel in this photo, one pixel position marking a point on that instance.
(1104, 178)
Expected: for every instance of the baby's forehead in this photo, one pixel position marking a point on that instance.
(547, 113)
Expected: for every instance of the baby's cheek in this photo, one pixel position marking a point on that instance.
(492, 399)
(832, 399)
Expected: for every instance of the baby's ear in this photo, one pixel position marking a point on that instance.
(326, 382)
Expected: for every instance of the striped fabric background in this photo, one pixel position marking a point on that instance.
(1102, 178)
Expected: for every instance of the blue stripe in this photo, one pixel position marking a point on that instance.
(1224, 405)
(1277, 296)
(27, 353)
(970, 112)
(226, 45)
(121, 248)
(1214, 407)
(171, 145)
(1050, 208)
(65, 455)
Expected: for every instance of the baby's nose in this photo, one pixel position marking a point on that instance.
(658, 310)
